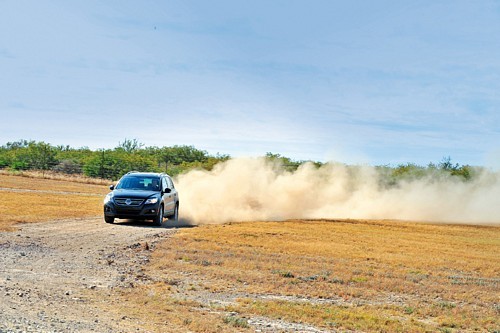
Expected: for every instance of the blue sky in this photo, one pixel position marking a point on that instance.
(377, 82)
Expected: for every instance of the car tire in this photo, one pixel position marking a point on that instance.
(175, 216)
(159, 218)
(109, 219)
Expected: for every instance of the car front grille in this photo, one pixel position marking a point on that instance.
(128, 212)
(129, 202)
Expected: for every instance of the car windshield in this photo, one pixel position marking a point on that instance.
(144, 183)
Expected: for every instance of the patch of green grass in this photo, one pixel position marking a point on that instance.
(408, 310)
(285, 274)
(359, 279)
(446, 305)
(236, 321)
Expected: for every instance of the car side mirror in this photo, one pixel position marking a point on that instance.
(167, 190)
(111, 187)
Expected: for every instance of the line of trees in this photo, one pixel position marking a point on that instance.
(104, 163)
(133, 155)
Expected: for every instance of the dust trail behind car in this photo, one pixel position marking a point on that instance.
(247, 189)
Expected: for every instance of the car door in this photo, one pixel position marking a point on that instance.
(175, 194)
(168, 196)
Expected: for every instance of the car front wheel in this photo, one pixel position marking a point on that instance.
(109, 219)
(159, 218)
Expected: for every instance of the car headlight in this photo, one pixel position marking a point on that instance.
(108, 197)
(151, 201)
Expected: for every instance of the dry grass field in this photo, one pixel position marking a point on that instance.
(53, 182)
(335, 275)
(30, 198)
(50, 175)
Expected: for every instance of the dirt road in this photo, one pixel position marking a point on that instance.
(48, 269)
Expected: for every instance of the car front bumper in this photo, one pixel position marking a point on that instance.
(141, 212)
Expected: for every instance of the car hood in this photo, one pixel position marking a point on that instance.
(134, 194)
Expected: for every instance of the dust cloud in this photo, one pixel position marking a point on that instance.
(256, 189)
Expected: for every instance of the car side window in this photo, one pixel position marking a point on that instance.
(164, 184)
(170, 183)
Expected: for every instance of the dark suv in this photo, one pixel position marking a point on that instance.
(144, 196)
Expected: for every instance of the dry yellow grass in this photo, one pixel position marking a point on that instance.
(36, 200)
(360, 275)
(50, 175)
(158, 308)
(48, 184)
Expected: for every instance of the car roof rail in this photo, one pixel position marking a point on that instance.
(132, 172)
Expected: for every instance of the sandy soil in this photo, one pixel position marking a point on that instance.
(48, 269)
